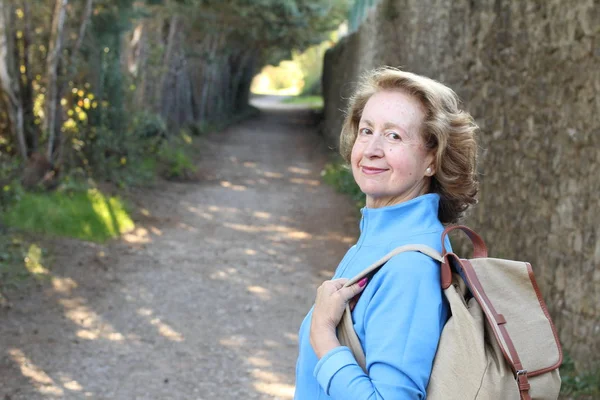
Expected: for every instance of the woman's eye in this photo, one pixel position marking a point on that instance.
(394, 136)
(364, 131)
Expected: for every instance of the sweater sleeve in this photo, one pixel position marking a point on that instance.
(403, 320)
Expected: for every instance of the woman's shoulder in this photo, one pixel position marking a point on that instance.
(411, 264)
(407, 274)
(409, 268)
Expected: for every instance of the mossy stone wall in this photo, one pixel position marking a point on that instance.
(529, 72)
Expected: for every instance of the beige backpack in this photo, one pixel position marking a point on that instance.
(499, 342)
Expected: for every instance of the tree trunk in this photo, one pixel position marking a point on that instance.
(167, 76)
(135, 49)
(204, 81)
(235, 89)
(208, 79)
(187, 95)
(243, 95)
(154, 69)
(9, 77)
(31, 129)
(137, 54)
(54, 50)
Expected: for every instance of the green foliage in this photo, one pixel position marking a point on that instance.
(147, 125)
(175, 158)
(359, 11)
(339, 175)
(136, 155)
(98, 88)
(120, 156)
(85, 215)
(20, 260)
(301, 75)
(201, 128)
(284, 79)
(311, 64)
(10, 188)
(310, 101)
(580, 386)
(276, 26)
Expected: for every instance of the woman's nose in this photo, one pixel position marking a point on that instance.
(374, 147)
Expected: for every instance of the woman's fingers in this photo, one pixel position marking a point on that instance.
(334, 284)
(354, 300)
(351, 291)
(331, 300)
(330, 303)
(336, 287)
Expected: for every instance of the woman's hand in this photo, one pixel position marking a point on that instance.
(330, 303)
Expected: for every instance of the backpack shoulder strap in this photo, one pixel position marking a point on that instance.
(421, 248)
(345, 328)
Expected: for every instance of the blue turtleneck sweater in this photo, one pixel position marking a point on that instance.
(398, 318)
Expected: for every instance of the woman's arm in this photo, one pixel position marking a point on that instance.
(403, 317)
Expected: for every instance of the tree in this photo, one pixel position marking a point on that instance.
(89, 71)
(9, 76)
(227, 42)
(54, 50)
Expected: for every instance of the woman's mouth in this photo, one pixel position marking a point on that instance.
(372, 170)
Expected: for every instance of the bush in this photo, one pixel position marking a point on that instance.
(339, 175)
(199, 128)
(10, 186)
(584, 385)
(174, 157)
(149, 128)
(126, 158)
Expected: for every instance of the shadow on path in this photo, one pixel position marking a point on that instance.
(204, 299)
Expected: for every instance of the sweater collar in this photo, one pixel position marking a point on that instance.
(386, 224)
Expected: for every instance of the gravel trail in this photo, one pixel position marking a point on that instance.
(204, 299)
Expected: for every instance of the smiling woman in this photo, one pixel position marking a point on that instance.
(412, 152)
(447, 132)
(389, 160)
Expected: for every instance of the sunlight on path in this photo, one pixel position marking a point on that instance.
(204, 299)
(38, 377)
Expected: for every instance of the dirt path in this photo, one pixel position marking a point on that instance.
(204, 300)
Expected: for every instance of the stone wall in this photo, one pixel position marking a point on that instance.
(529, 72)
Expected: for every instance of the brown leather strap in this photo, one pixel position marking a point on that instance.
(479, 247)
(523, 384)
(547, 314)
(497, 319)
(446, 273)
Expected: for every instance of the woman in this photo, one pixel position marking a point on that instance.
(413, 153)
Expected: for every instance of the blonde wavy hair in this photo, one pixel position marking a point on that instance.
(447, 131)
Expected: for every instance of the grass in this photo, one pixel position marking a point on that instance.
(87, 215)
(311, 101)
(175, 158)
(20, 260)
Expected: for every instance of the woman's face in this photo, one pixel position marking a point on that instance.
(389, 159)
